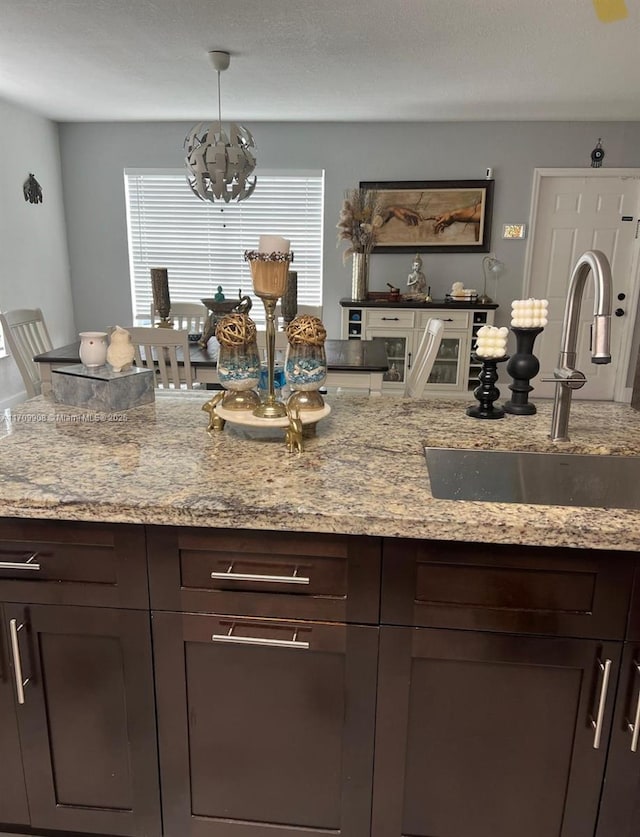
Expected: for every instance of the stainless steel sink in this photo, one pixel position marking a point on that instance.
(558, 479)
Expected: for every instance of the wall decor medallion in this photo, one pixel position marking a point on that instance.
(441, 216)
(32, 190)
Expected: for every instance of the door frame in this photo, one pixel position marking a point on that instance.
(621, 391)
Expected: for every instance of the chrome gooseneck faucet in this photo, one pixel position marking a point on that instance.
(566, 376)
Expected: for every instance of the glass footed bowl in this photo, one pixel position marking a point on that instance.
(305, 366)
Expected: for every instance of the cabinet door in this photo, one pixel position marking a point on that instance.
(486, 735)
(87, 724)
(399, 346)
(265, 727)
(13, 799)
(450, 366)
(620, 808)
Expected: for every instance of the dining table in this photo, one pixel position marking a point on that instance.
(351, 364)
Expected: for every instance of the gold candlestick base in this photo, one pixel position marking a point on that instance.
(270, 407)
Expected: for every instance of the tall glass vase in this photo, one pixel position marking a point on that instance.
(360, 277)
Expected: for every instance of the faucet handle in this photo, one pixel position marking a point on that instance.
(570, 378)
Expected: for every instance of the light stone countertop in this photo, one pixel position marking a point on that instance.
(363, 473)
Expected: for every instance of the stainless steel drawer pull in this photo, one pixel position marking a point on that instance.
(276, 579)
(255, 640)
(634, 728)
(17, 663)
(29, 564)
(597, 722)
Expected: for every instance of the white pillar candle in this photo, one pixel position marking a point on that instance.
(273, 244)
(529, 313)
(491, 342)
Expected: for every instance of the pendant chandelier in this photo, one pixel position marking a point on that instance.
(220, 164)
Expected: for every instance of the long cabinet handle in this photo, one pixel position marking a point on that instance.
(29, 564)
(256, 640)
(634, 727)
(596, 722)
(17, 663)
(277, 579)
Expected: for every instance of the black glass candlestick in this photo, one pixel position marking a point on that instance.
(522, 367)
(487, 392)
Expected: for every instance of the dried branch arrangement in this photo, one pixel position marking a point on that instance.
(360, 217)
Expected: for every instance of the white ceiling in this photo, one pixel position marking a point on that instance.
(382, 60)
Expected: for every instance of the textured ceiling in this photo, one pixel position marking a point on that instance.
(382, 60)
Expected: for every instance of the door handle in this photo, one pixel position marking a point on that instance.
(596, 722)
(634, 728)
(14, 628)
(294, 642)
(229, 575)
(29, 564)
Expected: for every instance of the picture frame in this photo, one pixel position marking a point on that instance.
(437, 216)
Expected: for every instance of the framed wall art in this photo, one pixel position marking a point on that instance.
(440, 216)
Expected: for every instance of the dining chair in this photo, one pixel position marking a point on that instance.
(186, 316)
(160, 349)
(424, 357)
(26, 334)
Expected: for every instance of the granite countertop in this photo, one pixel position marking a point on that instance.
(363, 473)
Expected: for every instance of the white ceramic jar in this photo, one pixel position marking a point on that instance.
(93, 348)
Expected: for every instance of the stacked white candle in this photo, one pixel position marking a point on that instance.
(529, 313)
(491, 341)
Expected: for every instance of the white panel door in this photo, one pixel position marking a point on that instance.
(575, 214)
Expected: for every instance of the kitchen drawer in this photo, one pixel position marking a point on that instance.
(519, 589)
(287, 575)
(391, 318)
(56, 562)
(451, 319)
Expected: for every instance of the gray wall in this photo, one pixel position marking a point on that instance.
(94, 156)
(34, 263)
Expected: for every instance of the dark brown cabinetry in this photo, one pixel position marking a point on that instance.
(81, 679)
(489, 735)
(495, 701)
(620, 808)
(266, 722)
(483, 675)
(13, 797)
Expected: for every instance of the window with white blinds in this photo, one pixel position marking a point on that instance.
(202, 244)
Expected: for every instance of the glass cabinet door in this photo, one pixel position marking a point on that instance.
(399, 347)
(446, 369)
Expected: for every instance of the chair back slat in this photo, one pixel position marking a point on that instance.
(186, 316)
(162, 349)
(26, 334)
(424, 358)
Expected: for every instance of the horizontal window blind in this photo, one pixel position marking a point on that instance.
(202, 244)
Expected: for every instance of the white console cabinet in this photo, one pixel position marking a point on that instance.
(401, 326)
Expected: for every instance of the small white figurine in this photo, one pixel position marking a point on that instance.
(120, 353)
(416, 280)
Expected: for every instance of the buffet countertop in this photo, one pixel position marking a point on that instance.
(363, 473)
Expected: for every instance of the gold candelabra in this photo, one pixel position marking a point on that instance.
(269, 272)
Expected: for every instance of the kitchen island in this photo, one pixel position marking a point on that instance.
(203, 635)
(364, 473)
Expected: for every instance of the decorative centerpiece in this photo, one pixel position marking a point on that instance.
(305, 365)
(269, 268)
(121, 352)
(360, 217)
(219, 308)
(161, 299)
(289, 303)
(93, 348)
(490, 349)
(528, 319)
(238, 361)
